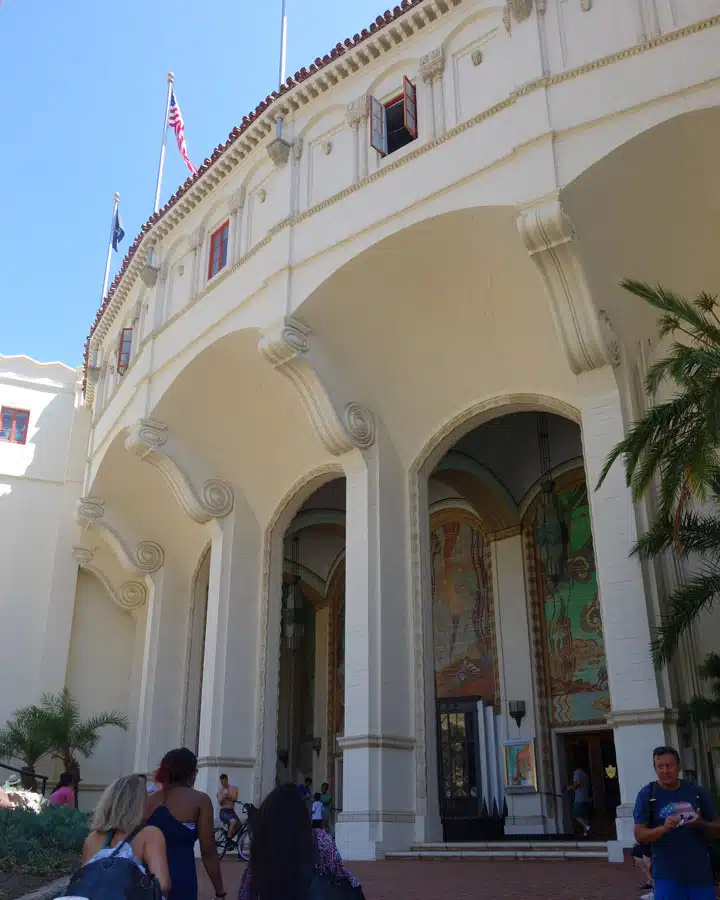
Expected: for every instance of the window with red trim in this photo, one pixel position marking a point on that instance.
(394, 123)
(218, 249)
(124, 350)
(14, 425)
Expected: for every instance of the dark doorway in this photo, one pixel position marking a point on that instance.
(462, 810)
(594, 752)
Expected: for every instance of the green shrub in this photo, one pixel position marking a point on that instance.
(45, 843)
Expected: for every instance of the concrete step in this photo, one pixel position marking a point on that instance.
(518, 850)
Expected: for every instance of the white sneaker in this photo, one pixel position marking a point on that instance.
(649, 896)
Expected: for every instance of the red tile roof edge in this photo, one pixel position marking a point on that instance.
(304, 73)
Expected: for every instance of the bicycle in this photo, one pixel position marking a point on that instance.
(240, 841)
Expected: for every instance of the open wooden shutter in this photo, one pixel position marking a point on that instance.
(410, 98)
(378, 127)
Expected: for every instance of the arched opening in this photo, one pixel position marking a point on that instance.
(196, 653)
(519, 672)
(312, 690)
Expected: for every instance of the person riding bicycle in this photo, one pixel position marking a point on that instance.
(227, 798)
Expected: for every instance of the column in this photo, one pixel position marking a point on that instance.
(228, 718)
(159, 721)
(637, 717)
(527, 813)
(378, 747)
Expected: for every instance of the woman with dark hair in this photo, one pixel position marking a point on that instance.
(285, 849)
(184, 816)
(63, 795)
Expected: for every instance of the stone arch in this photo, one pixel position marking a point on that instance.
(440, 442)
(272, 565)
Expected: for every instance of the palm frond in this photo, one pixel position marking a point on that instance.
(675, 307)
(684, 606)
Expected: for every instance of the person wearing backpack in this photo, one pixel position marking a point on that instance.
(291, 860)
(676, 817)
(139, 869)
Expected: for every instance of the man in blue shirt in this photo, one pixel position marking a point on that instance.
(676, 817)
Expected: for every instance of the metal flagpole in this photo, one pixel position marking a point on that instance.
(171, 79)
(116, 201)
(283, 55)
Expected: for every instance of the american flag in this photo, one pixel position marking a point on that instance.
(175, 121)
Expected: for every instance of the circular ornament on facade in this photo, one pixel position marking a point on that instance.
(149, 556)
(217, 497)
(295, 339)
(132, 595)
(360, 425)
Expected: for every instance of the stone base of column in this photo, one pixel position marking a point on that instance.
(378, 796)
(428, 829)
(370, 835)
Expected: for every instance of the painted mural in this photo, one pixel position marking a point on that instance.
(577, 669)
(463, 627)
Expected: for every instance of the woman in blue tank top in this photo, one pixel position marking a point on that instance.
(184, 816)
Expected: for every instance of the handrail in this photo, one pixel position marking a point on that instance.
(28, 774)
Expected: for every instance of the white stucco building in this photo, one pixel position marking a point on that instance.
(338, 386)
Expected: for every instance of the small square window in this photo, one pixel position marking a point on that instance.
(394, 124)
(218, 249)
(14, 425)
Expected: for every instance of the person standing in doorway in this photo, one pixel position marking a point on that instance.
(326, 799)
(227, 798)
(582, 807)
(676, 817)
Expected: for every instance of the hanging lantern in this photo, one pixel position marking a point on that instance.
(292, 608)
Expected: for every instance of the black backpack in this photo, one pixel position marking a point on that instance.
(114, 878)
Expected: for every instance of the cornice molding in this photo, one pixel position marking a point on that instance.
(147, 556)
(229, 762)
(151, 442)
(340, 427)
(585, 333)
(375, 742)
(129, 596)
(623, 717)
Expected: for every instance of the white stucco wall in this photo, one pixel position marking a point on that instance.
(39, 484)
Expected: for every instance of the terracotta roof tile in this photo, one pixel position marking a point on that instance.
(299, 77)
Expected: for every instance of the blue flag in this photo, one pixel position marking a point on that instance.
(118, 232)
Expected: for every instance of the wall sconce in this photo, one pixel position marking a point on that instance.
(317, 745)
(517, 711)
(283, 756)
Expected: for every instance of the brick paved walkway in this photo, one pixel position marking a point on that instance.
(459, 880)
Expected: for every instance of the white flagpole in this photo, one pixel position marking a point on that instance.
(171, 79)
(283, 56)
(116, 201)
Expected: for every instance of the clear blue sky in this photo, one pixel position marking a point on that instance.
(81, 109)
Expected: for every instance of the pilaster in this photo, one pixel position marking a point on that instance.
(231, 668)
(378, 745)
(637, 718)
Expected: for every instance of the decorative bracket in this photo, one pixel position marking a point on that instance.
(357, 111)
(585, 333)
(149, 274)
(432, 65)
(131, 594)
(151, 442)
(286, 346)
(147, 557)
(279, 151)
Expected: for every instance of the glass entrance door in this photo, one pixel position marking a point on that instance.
(459, 770)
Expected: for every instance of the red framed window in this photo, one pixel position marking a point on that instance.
(124, 350)
(218, 249)
(14, 425)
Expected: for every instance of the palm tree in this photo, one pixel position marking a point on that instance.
(707, 709)
(68, 735)
(23, 739)
(675, 445)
